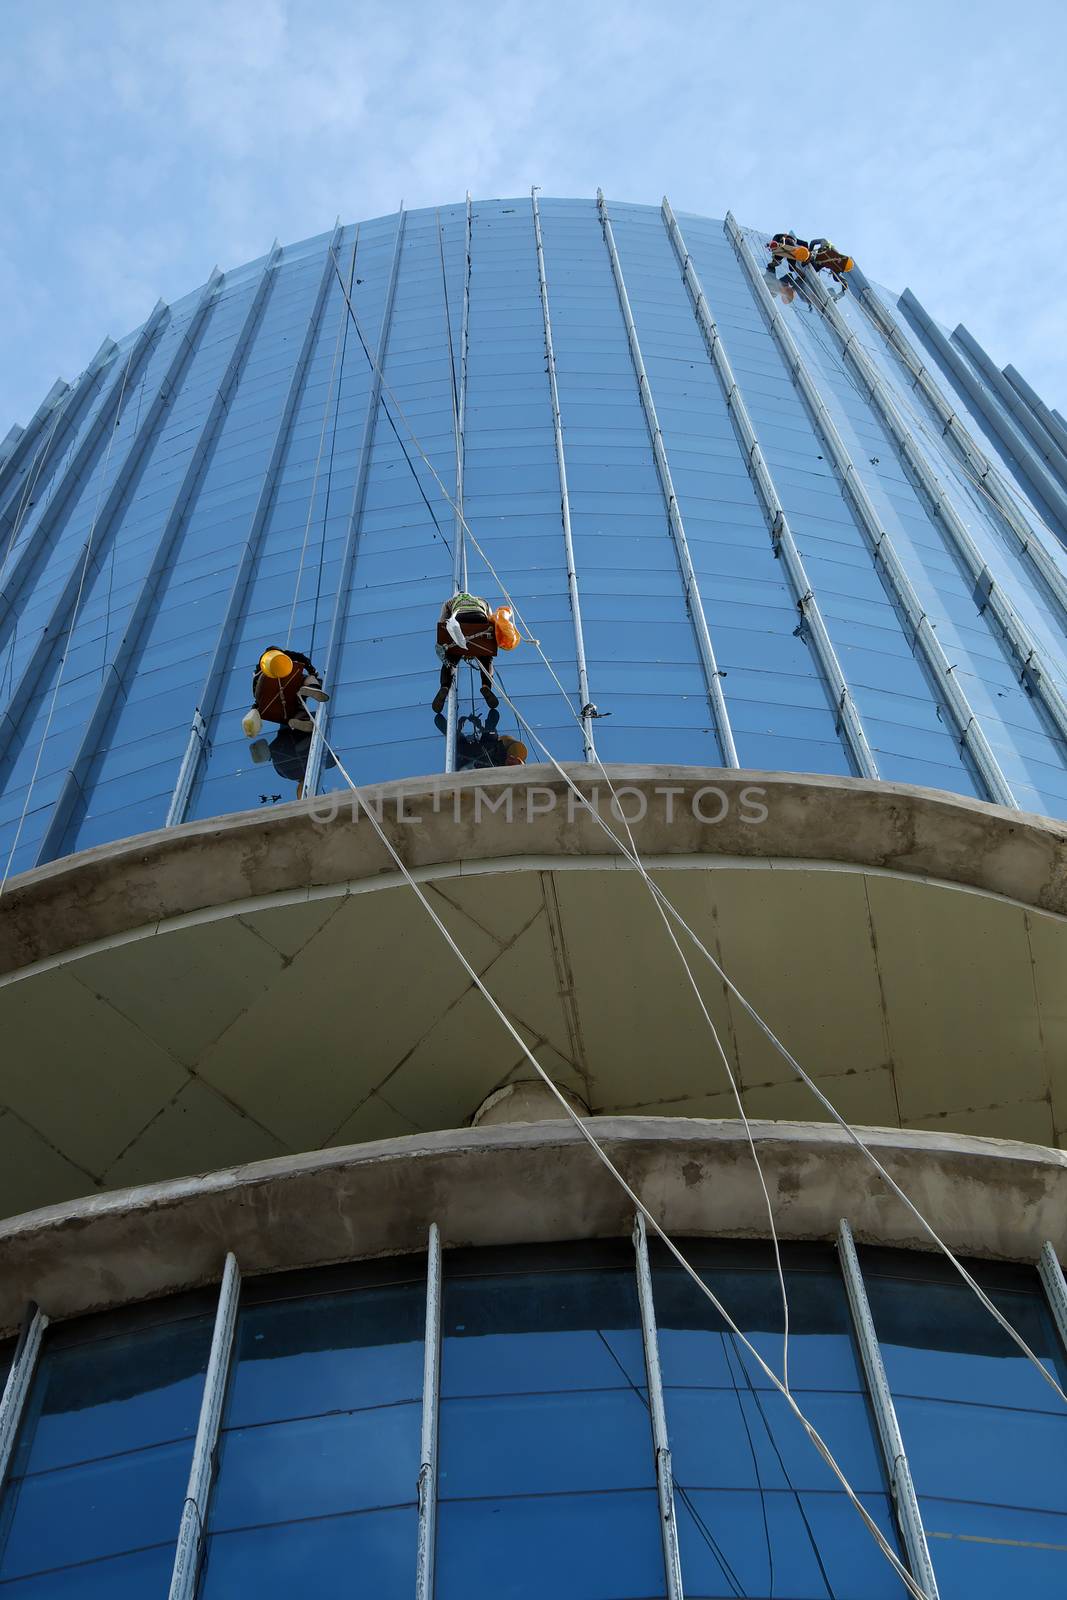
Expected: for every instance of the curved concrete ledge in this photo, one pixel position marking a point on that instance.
(529, 1183)
(475, 817)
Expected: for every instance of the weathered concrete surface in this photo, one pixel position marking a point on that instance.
(539, 1182)
(106, 892)
(526, 1100)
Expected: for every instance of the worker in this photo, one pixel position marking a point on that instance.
(786, 247)
(282, 684)
(466, 631)
(482, 746)
(826, 257)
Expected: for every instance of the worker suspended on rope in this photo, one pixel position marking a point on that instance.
(282, 684)
(825, 257)
(787, 247)
(481, 745)
(469, 630)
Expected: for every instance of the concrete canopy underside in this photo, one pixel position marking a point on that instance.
(263, 985)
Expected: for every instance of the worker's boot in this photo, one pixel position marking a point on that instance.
(302, 724)
(489, 697)
(312, 692)
(438, 701)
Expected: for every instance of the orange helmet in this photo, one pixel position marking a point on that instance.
(849, 264)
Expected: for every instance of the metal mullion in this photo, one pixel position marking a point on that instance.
(1055, 1286)
(35, 437)
(431, 1404)
(17, 1387)
(114, 679)
(212, 684)
(1038, 409)
(122, 380)
(100, 532)
(785, 544)
(970, 453)
(459, 542)
(1029, 656)
(351, 545)
(898, 1471)
(565, 503)
(969, 731)
(74, 402)
(1049, 457)
(190, 1546)
(694, 603)
(672, 1561)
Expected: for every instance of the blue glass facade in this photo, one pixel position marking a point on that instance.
(231, 476)
(546, 1469)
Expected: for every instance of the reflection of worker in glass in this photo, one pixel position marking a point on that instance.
(288, 754)
(483, 746)
(784, 288)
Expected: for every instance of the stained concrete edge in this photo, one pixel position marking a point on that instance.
(528, 1183)
(478, 817)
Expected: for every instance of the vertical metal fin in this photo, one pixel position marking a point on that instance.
(1055, 1286)
(695, 604)
(431, 1396)
(672, 1561)
(459, 542)
(348, 556)
(840, 695)
(126, 648)
(970, 734)
(1028, 654)
(191, 1531)
(17, 1387)
(896, 1462)
(235, 605)
(585, 697)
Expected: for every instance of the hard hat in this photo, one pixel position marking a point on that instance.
(801, 253)
(849, 264)
(275, 664)
(517, 751)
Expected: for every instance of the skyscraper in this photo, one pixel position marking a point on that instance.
(337, 1068)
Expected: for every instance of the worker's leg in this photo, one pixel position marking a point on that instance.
(448, 672)
(487, 685)
(311, 688)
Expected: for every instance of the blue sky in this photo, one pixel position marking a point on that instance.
(142, 143)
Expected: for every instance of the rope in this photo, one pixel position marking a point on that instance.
(342, 329)
(590, 1138)
(633, 856)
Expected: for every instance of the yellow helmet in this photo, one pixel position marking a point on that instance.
(275, 663)
(849, 264)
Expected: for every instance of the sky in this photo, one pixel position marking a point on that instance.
(144, 141)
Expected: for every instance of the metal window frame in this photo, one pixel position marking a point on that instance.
(351, 545)
(672, 1561)
(113, 684)
(586, 699)
(212, 685)
(123, 380)
(1030, 545)
(58, 399)
(1055, 1287)
(898, 1471)
(971, 736)
(1048, 458)
(17, 1386)
(850, 722)
(193, 1526)
(431, 1405)
(1021, 643)
(459, 542)
(56, 630)
(694, 603)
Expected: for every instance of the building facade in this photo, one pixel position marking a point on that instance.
(308, 1275)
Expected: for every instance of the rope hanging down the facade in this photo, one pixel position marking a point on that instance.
(634, 858)
(590, 1138)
